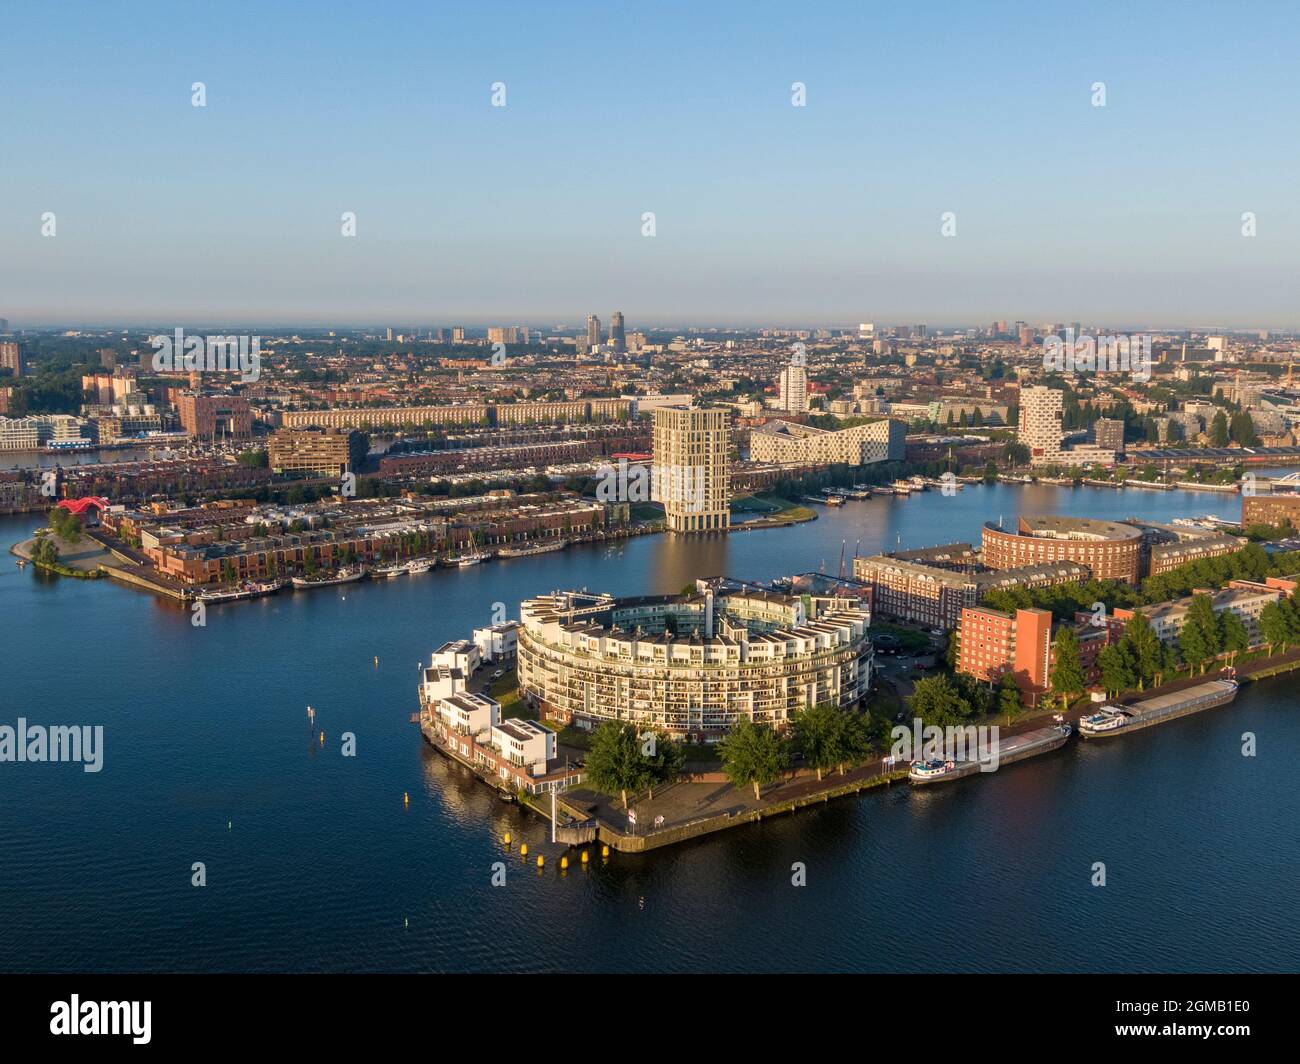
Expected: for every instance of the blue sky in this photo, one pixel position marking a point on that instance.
(830, 213)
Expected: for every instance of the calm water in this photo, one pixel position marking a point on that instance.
(322, 868)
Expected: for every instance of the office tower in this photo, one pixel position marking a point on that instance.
(1040, 423)
(4, 325)
(691, 467)
(793, 385)
(593, 330)
(617, 335)
(458, 334)
(11, 357)
(388, 335)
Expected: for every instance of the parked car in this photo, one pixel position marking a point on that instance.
(498, 674)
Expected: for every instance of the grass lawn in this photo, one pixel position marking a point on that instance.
(772, 509)
(907, 638)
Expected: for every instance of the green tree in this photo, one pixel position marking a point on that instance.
(1009, 702)
(817, 734)
(936, 701)
(1274, 626)
(1067, 672)
(1144, 650)
(1235, 637)
(1116, 667)
(1219, 430)
(615, 762)
(667, 759)
(753, 755)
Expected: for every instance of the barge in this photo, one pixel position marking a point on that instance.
(1016, 748)
(528, 552)
(1120, 720)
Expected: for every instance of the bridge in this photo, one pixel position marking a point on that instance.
(81, 506)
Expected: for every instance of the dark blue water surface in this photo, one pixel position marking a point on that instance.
(314, 863)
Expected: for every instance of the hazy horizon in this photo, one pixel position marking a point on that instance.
(765, 212)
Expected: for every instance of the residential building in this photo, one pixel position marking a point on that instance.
(1041, 410)
(691, 470)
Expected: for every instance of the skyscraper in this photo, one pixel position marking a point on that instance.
(617, 335)
(793, 385)
(1040, 423)
(691, 468)
(593, 330)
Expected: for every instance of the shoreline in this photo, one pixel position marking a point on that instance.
(799, 788)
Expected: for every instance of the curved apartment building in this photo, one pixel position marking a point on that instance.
(691, 665)
(1109, 549)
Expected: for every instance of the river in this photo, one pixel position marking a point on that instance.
(313, 862)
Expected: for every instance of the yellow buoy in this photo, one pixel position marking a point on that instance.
(322, 738)
(584, 856)
(506, 840)
(564, 862)
(523, 850)
(406, 798)
(604, 851)
(541, 860)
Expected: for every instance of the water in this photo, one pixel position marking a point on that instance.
(323, 868)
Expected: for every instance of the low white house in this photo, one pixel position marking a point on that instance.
(498, 642)
(469, 714)
(440, 681)
(458, 654)
(525, 743)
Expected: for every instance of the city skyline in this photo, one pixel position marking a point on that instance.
(832, 210)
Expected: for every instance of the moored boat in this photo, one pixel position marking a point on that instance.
(249, 589)
(1120, 719)
(343, 576)
(420, 565)
(528, 552)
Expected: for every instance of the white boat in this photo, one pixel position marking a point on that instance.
(930, 770)
(390, 571)
(420, 565)
(343, 576)
(466, 560)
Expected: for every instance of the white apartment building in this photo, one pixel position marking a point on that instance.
(789, 443)
(793, 389)
(33, 432)
(1040, 423)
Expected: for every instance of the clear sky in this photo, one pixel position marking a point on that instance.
(765, 212)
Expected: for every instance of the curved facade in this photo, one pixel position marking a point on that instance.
(1109, 550)
(691, 665)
